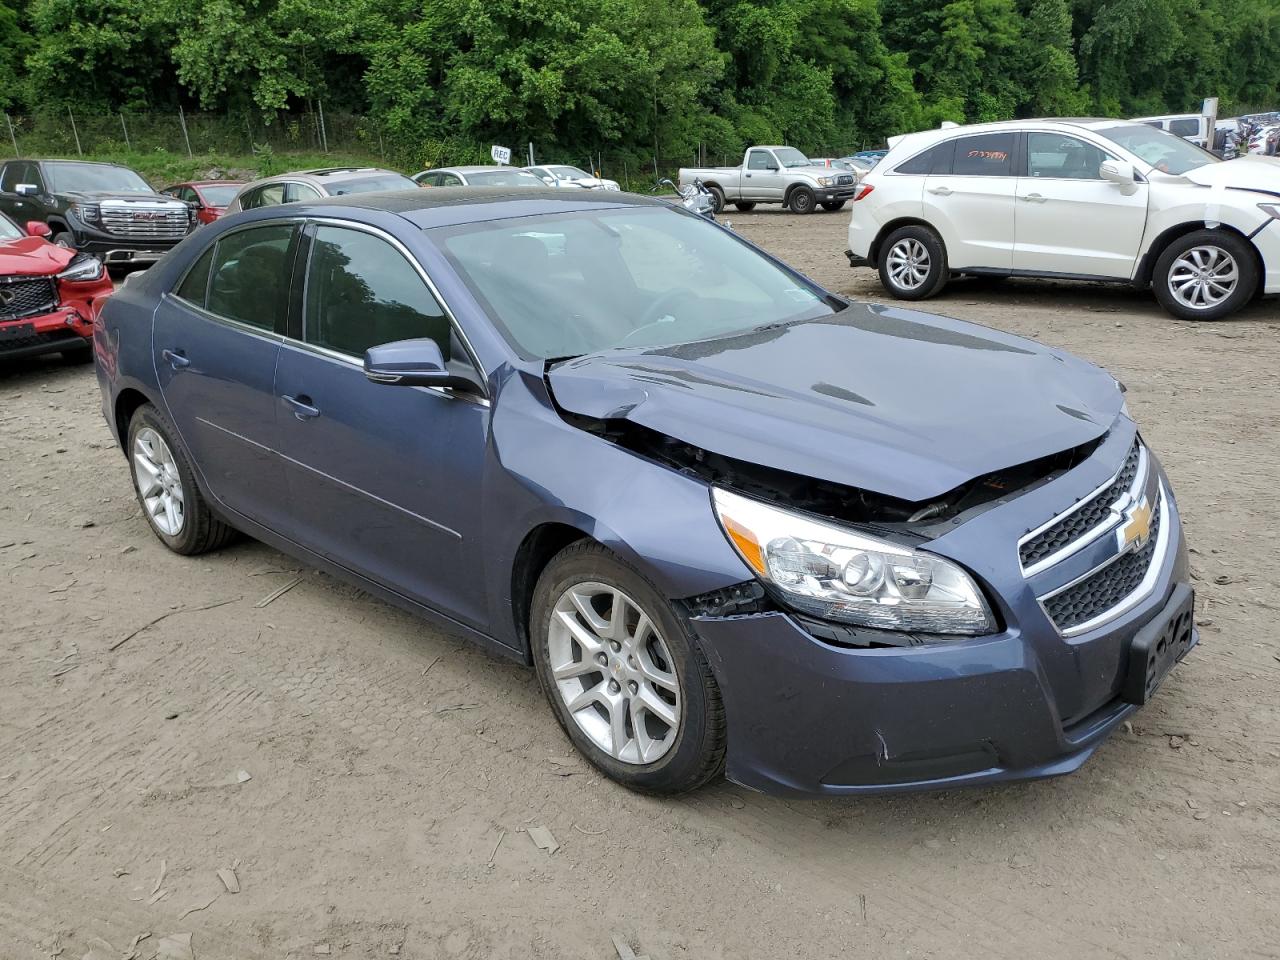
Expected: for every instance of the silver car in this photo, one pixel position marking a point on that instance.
(314, 184)
(478, 176)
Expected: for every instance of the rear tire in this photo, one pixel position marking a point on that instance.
(746, 206)
(165, 485)
(717, 199)
(913, 263)
(802, 200)
(80, 353)
(589, 649)
(833, 205)
(1205, 275)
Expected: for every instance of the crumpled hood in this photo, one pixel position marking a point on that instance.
(1251, 172)
(882, 399)
(33, 257)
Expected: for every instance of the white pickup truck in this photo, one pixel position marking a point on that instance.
(775, 175)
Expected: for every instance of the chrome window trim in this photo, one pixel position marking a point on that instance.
(1140, 593)
(1116, 514)
(431, 287)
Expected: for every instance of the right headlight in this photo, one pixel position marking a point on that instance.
(837, 573)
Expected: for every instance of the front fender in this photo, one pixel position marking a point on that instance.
(547, 471)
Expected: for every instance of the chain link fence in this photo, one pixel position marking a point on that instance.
(72, 133)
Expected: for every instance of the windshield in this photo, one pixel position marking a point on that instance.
(220, 196)
(73, 177)
(791, 157)
(8, 229)
(503, 178)
(570, 173)
(387, 181)
(561, 285)
(1164, 151)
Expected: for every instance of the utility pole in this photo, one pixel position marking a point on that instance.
(127, 145)
(182, 119)
(12, 135)
(74, 131)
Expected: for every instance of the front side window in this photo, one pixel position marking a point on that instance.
(505, 177)
(1054, 156)
(13, 175)
(760, 160)
(985, 155)
(448, 180)
(249, 279)
(559, 285)
(361, 292)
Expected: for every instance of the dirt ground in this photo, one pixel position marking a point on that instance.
(372, 781)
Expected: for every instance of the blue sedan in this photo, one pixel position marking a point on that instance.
(734, 521)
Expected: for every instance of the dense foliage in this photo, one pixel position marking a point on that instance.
(444, 78)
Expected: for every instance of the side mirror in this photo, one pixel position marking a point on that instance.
(37, 229)
(26, 190)
(1119, 172)
(412, 363)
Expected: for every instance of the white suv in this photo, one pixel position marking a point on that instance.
(1102, 200)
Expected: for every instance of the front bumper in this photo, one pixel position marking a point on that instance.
(805, 716)
(835, 194)
(1267, 240)
(65, 328)
(112, 249)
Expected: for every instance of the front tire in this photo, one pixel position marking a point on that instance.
(81, 353)
(802, 200)
(165, 485)
(833, 205)
(64, 238)
(624, 674)
(746, 206)
(913, 263)
(1205, 275)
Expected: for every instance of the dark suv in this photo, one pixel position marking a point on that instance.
(99, 208)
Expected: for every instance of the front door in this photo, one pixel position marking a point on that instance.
(1070, 220)
(216, 340)
(385, 479)
(971, 203)
(762, 179)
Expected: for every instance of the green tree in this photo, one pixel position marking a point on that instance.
(1047, 61)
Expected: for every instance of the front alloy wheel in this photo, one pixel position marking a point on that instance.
(1206, 275)
(624, 674)
(614, 673)
(1203, 277)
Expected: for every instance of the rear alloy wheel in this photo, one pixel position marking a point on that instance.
(913, 264)
(802, 200)
(1206, 275)
(833, 205)
(623, 673)
(166, 487)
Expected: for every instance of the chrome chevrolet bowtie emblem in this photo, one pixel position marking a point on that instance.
(1136, 529)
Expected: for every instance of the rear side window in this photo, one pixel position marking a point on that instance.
(986, 155)
(934, 160)
(195, 284)
(249, 279)
(362, 293)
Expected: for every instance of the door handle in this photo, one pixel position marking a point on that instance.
(940, 191)
(303, 408)
(1034, 198)
(175, 359)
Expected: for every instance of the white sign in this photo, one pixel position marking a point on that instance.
(1210, 107)
(500, 154)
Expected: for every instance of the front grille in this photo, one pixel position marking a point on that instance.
(844, 180)
(1098, 593)
(145, 221)
(26, 296)
(1081, 521)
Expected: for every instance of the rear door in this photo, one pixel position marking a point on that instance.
(385, 480)
(1070, 220)
(971, 202)
(216, 339)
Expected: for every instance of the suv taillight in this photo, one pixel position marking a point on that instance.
(862, 191)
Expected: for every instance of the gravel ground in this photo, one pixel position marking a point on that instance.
(372, 782)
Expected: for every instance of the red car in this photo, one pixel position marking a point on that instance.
(208, 197)
(49, 294)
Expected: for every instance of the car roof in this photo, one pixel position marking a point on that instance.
(475, 168)
(83, 163)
